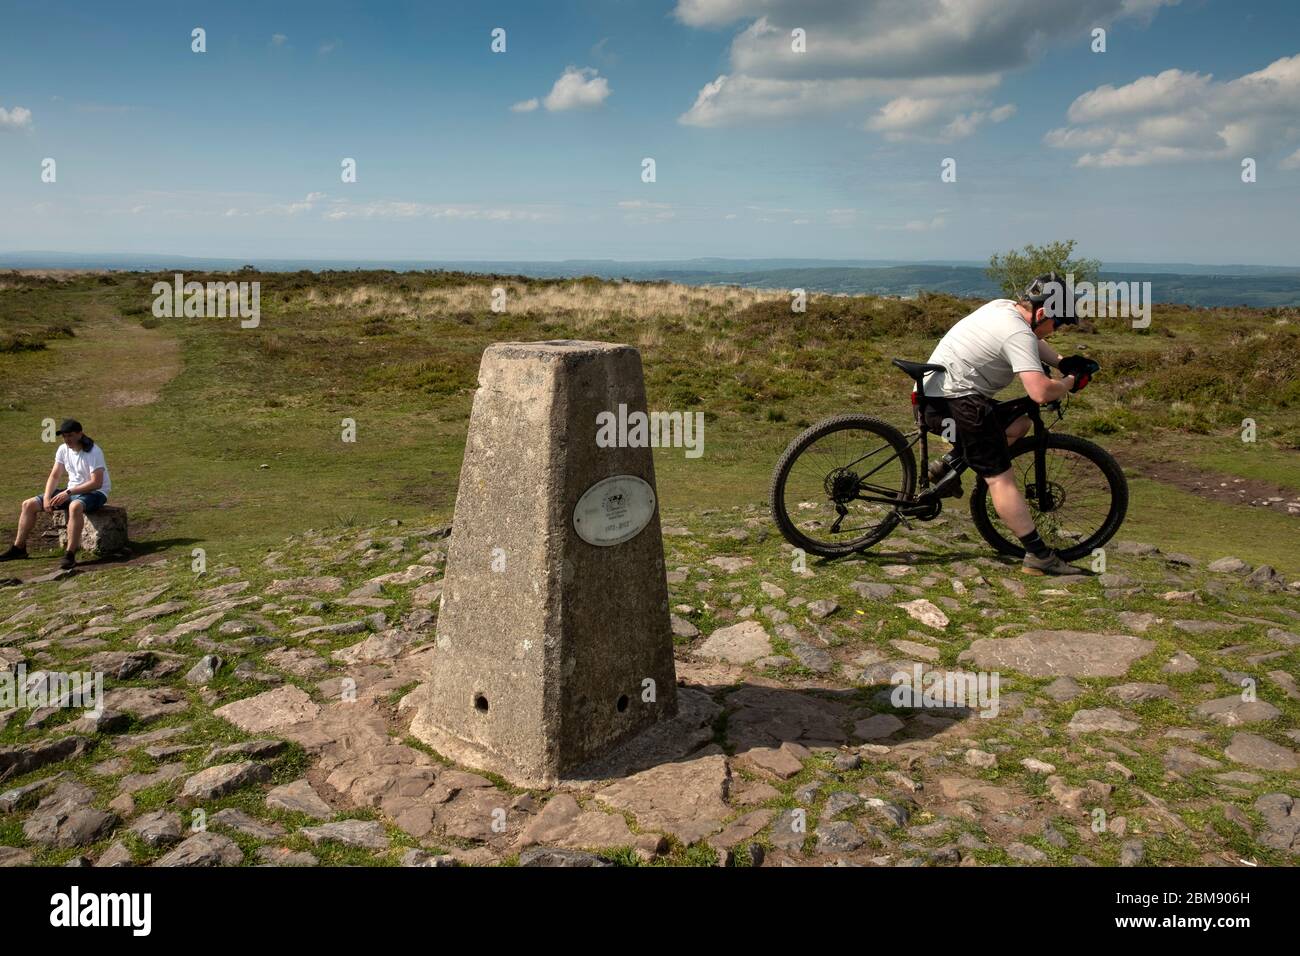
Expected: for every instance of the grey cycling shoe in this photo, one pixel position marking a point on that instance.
(1052, 564)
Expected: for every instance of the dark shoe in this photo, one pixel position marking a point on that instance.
(14, 553)
(69, 562)
(1052, 564)
(939, 468)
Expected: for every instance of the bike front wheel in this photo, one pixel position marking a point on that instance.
(1086, 500)
(837, 486)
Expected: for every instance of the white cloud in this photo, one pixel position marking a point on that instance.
(576, 89)
(525, 106)
(329, 46)
(1168, 89)
(643, 211)
(931, 119)
(277, 39)
(737, 98)
(1178, 116)
(17, 118)
(1292, 161)
(306, 204)
(859, 51)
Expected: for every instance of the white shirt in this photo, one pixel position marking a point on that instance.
(984, 352)
(80, 465)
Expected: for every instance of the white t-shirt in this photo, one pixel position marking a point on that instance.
(80, 465)
(983, 352)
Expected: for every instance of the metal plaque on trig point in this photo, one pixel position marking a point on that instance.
(614, 510)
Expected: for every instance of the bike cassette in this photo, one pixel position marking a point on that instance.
(841, 486)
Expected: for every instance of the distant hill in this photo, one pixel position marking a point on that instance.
(1186, 283)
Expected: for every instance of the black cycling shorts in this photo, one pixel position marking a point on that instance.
(981, 426)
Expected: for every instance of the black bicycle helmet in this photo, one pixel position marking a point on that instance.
(1040, 292)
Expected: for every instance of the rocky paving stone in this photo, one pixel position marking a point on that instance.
(740, 643)
(260, 749)
(562, 822)
(323, 584)
(784, 761)
(556, 857)
(203, 849)
(682, 627)
(1136, 693)
(205, 670)
(135, 782)
(838, 836)
(158, 829)
(1059, 653)
(67, 818)
(1101, 718)
(271, 710)
(366, 834)
(1233, 711)
(223, 779)
(1260, 752)
(1281, 813)
(925, 611)
(116, 855)
(247, 824)
(686, 799)
(147, 704)
(283, 856)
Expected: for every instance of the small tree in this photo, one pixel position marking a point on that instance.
(1013, 270)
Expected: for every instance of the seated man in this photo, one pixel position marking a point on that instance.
(81, 461)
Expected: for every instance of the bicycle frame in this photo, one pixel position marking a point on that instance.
(924, 501)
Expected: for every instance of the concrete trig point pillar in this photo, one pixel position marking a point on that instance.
(553, 641)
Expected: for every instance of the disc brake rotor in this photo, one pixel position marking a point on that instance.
(1054, 498)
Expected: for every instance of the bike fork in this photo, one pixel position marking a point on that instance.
(1040, 470)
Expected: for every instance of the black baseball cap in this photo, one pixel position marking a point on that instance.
(69, 425)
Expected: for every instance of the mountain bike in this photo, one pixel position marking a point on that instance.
(846, 482)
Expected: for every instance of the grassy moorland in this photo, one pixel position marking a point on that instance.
(226, 687)
(233, 437)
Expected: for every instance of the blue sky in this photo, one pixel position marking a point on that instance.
(834, 152)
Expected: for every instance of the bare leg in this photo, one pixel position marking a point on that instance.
(1018, 429)
(26, 520)
(77, 513)
(1009, 502)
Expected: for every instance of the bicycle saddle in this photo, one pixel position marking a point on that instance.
(918, 370)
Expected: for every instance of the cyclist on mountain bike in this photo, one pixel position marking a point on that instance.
(981, 354)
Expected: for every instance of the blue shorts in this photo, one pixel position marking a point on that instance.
(91, 501)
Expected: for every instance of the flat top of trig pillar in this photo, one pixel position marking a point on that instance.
(556, 347)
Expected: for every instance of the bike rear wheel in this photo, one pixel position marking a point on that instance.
(820, 476)
(1087, 498)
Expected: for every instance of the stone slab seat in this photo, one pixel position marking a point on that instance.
(104, 531)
